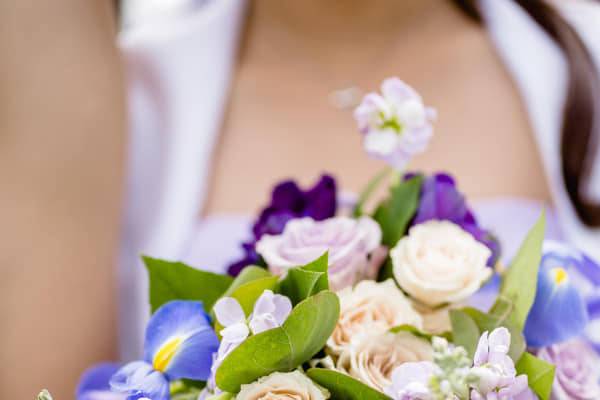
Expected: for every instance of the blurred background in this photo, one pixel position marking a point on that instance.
(160, 126)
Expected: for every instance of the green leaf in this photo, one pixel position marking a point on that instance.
(519, 284)
(177, 281)
(414, 330)
(344, 387)
(307, 280)
(368, 191)
(539, 373)
(489, 322)
(302, 335)
(394, 214)
(465, 332)
(248, 274)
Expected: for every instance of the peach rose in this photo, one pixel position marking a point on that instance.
(370, 308)
(375, 357)
(284, 386)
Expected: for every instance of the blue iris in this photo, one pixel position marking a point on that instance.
(559, 311)
(94, 383)
(179, 344)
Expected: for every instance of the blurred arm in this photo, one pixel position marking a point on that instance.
(62, 127)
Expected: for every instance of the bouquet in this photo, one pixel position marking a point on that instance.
(404, 299)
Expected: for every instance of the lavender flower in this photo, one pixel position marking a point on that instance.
(440, 199)
(577, 370)
(288, 201)
(493, 375)
(396, 124)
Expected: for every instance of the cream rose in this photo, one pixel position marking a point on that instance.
(438, 262)
(373, 359)
(354, 248)
(279, 385)
(370, 308)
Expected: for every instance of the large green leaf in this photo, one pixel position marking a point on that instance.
(302, 335)
(307, 280)
(489, 322)
(519, 284)
(248, 274)
(465, 332)
(344, 387)
(540, 374)
(394, 214)
(177, 281)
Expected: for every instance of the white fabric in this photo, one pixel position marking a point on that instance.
(540, 71)
(179, 61)
(178, 73)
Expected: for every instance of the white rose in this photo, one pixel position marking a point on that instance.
(370, 308)
(353, 245)
(373, 359)
(279, 385)
(438, 262)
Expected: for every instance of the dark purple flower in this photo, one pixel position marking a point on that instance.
(440, 199)
(288, 201)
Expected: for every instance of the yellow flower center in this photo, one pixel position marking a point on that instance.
(163, 356)
(560, 275)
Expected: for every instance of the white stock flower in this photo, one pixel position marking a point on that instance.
(439, 262)
(374, 358)
(270, 311)
(396, 124)
(370, 308)
(283, 386)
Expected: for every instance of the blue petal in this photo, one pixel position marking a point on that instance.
(96, 379)
(180, 340)
(558, 312)
(138, 378)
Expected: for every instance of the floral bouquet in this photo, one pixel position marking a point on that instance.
(368, 303)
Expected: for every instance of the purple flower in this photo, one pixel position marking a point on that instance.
(559, 311)
(494, 373)
(577, 372)
(410, 381)
(441, 200)
(93, 384)
(288, 201)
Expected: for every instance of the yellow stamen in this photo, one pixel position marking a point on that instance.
(163, 356)
(560, 275)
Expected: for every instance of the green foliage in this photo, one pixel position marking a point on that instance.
(417, 332)
(305, 281)
(248, 274)
(540, 374)
(344, 387)
(489, 322)
(177, 281)
(465, 331)
(519, 284)
(395, 213)
(368, 191)
(302, 335)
